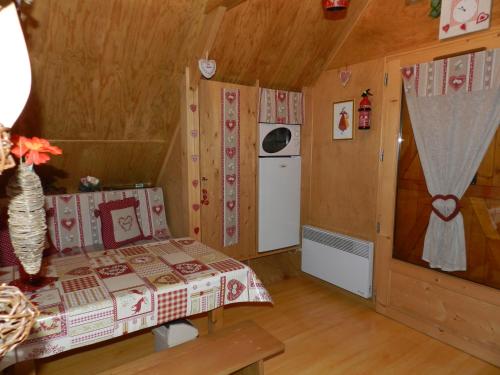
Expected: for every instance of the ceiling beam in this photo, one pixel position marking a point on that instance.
(205, 42)
(213, 4)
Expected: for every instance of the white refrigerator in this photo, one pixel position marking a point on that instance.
(279, 202)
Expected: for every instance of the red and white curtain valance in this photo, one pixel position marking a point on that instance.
(281, 107)
(454, 107)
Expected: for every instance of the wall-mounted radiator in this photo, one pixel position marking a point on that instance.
(341, 260)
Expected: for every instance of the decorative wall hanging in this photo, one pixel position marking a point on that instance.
(27, 216)
(454, 112)
(460, 17)
(230, 131)
(344, 77)
(365, 110)
(207, 67)
(342, 119)
(335, 5)
(281, 107)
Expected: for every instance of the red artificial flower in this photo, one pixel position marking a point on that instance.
(35, 150)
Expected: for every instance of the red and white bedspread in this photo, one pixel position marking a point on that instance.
(105, 294)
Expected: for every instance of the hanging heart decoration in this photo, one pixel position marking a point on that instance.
(450, 201)
(207, 67)
(344, 77)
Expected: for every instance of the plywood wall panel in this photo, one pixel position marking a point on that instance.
(282, 43)
(343, 173)
(386, 27)
(210, 168)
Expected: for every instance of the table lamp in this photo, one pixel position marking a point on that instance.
(15, 77)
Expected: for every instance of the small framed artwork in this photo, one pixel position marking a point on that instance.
(343, 121)
(460, 17)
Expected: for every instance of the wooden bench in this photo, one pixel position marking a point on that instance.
(240, 348)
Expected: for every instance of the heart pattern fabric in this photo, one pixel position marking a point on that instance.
(456, 82)
(125, 223)
(234, 289)
(344, 77)
(230, 165)
(68, 224)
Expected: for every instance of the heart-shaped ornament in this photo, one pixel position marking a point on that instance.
(446, 28)
(207, 67)
(193, 107)
(463, 26)
(450, 204)
(195, 183)
(344, 77)
(196, 230)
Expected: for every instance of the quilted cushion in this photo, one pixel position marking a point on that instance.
(119, 223)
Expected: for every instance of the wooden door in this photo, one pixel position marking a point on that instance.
(211, 166)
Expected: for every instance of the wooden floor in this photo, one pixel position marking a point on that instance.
(325, 330)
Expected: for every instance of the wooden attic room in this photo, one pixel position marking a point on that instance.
(249, 186)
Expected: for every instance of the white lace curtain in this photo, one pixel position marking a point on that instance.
(454, 107)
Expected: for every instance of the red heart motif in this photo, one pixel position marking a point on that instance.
(196, 230)
(344, 77)
(234, 289)
(482, 17)
(230, 96)
(230, 178)
(68, 224)
(66, 198)
(446, 28)
(231, 151)
(195, 183)
(463, 26)
(158, 209)
(445, 198)
(231, 231)
(125, 223)
(231, 204)
(193, 107)
(194, 158)
(230, 124)
(196, 206)
(457, 81)
(408, 72)
(194, 133)
(281, 95)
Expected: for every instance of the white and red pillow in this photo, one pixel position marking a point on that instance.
(119, 223)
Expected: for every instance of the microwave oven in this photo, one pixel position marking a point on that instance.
(279, 140)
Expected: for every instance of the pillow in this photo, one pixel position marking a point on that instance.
(119, 223)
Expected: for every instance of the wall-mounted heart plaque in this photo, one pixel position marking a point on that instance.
(344, 77)
(207, 68)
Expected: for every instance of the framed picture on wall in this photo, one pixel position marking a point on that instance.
(460, 17)
(343, 120)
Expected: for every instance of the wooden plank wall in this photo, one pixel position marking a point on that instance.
(385, 28)
(210, 167)
(105, 84)
(456, 311)
(342, 174)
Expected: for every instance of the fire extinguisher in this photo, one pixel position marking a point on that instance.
(365, 109)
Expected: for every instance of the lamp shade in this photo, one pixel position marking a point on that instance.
(15, 70)
(335, 5)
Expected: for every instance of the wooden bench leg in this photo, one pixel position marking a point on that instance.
(215, 319)
(256, 368)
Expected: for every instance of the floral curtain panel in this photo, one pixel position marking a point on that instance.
(454, 107)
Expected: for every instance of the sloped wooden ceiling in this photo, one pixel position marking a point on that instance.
(386, 27)
(105, 84)
(282, 43)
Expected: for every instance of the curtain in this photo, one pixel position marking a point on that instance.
(454, 107)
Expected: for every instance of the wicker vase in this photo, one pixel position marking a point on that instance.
(27, 223)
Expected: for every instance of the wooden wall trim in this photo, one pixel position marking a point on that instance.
(456, 311)
(213, 4)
